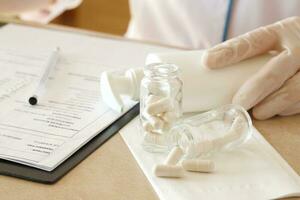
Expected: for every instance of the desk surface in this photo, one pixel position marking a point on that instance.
(111, 172)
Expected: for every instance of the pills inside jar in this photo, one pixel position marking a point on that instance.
(160, 105)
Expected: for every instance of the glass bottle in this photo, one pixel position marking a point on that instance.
(202, 135)
(160, 104)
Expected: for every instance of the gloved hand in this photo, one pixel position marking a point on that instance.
(275, 88)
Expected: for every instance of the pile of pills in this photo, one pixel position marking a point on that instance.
(160, 105)
(171, 169)
(158, 114)
(198, 148)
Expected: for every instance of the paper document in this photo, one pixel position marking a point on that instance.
(45, 134)
(71, 111)
(253, 171)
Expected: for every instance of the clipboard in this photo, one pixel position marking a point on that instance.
(33, 174)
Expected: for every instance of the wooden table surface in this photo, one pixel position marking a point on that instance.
(111, 172)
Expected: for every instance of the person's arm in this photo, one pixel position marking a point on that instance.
(275, 89)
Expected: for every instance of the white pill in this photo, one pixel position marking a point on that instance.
(237, 123)
(171, 171)
(160, 106)
(234, 133)
(169, 116)
(219, 142)
(152, 99)
(237, 126)
(174, 156)
(167, 126)
(156, 122)
(148, 127)
(197, 165)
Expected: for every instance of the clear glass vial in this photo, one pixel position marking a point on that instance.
(202, 135)
(160, 104)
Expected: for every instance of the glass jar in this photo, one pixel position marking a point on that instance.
(202, 135)
(160, 104)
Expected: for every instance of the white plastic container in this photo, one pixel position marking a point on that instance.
(203, 89)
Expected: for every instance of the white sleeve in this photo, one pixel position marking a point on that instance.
(176, 22)
(197, 24)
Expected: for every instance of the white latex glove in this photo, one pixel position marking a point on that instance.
(275, 88)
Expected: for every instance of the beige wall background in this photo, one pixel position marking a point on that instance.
(109, 16)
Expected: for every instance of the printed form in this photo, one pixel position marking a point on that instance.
(71, 111)
(69, 114)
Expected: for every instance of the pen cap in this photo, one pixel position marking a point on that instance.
(114, 86)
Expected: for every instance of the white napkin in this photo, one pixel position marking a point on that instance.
(254, 171)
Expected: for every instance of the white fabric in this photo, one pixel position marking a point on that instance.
(255, 171)
(199, 24)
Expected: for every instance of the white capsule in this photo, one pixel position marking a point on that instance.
(152, 99)
(174, 156)
(169, 117)
(197, 165)
(156, 122)
(171, 171)
(219, 142)
(237, 126)
(160, 106)
(167, 126)
(148, 127)
(234, 133)
(237, 122)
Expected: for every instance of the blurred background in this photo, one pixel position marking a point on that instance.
(109, 16)
(170, 22)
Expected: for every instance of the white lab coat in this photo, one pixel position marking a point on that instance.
(197, 24)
